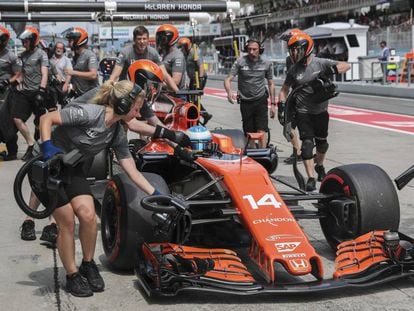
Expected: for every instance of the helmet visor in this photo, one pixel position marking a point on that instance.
(296, 53)
(152, 91)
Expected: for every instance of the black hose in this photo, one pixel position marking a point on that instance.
(56, 279)
(158, 204)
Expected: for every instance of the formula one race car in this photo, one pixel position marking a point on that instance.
(222, 225)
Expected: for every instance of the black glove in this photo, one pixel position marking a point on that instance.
(178, 137)
(3, 85)
(184, 154)
(40, 97)
(203, 82)
(281, 112)
(331, 70)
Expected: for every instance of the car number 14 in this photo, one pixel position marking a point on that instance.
(266, 200)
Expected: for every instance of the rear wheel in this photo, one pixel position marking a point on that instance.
(125, 225)
(373, 203)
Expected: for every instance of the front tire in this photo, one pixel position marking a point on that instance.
(375, 207)
(125, 225)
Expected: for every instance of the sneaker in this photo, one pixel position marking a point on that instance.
(90, 271)
(290, 159)
(28, 230)
(49, 233)
(78, 286)
(311, 184)
(320, 169)
(9, 157)
(28, 154)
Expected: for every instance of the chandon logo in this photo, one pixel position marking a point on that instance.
(272, 221)
(282, 236)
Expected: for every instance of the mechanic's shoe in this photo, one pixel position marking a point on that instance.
(90, 271)
(49, 233)
(311, 184)
(290, 159)
(206, 117)
(28, 230)
(78, 286)
(28, 154)
(320, 169)
(9, 157)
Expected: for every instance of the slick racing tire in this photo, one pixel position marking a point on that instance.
(125, 224)
(237, 136)
(373, 203)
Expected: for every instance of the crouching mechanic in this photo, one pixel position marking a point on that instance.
(312, 116)
(252, 71)
(89, 128)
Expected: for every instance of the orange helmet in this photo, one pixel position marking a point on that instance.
(31, 34)
(300, 47)
(185, 43)
(4, 37)
(166, 36)
(289, 33)
(79, 35)
(148, 75)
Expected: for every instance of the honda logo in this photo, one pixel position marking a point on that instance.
(299, 264)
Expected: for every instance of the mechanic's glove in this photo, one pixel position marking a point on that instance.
(203, 82)
(49, 150)
(156, 192)
(281, 112)
(3, 85)
(184, 154)
(177, 137)
(328, 72)
(40, 97)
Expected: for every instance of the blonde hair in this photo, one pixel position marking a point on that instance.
(111, 91)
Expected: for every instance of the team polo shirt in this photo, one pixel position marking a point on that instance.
(9, 64)
(191, 65)
(83, 127)
(32, 63)
(175, 62)
(128, 55)
(300, 74)
(251, 77)
(85, 62)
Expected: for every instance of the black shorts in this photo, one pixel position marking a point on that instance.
(78, 186)
(254, 115)
(312, 125)
(23, 105)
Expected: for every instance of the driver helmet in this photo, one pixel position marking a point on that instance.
(148, 75)
(32, 35)
(200, 137)
(300, 47)
(165, 37)
(79, 36)
(4, 37)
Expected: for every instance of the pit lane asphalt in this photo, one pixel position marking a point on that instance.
(26, 271)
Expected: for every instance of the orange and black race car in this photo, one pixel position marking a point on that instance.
(225, 224)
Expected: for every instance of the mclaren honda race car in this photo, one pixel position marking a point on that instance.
(225, 224)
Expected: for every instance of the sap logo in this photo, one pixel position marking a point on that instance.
(299, 264)
(282, 236)
(286, 247)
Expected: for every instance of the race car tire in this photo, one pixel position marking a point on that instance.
(125, 224)
(237, 136)
(376, 202)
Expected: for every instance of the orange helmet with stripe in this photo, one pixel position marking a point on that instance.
(166, 36)
(300, 47)
(185, 44)
(4, 37)
(32, 35)
(78, 35)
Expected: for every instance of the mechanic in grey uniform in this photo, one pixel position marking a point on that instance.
(252, 71)
(10, 69)
(191, 65)
(85, 68)
(166, 38)
(90, 128)
(32, 95)
(139, 50)
(312, 116)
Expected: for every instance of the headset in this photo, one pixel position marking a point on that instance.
(261, 48)
(123, 105)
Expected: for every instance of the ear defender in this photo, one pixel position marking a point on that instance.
(261, 48)
(123, 105)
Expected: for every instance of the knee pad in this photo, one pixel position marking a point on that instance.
(307, 149)
(321, 145)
